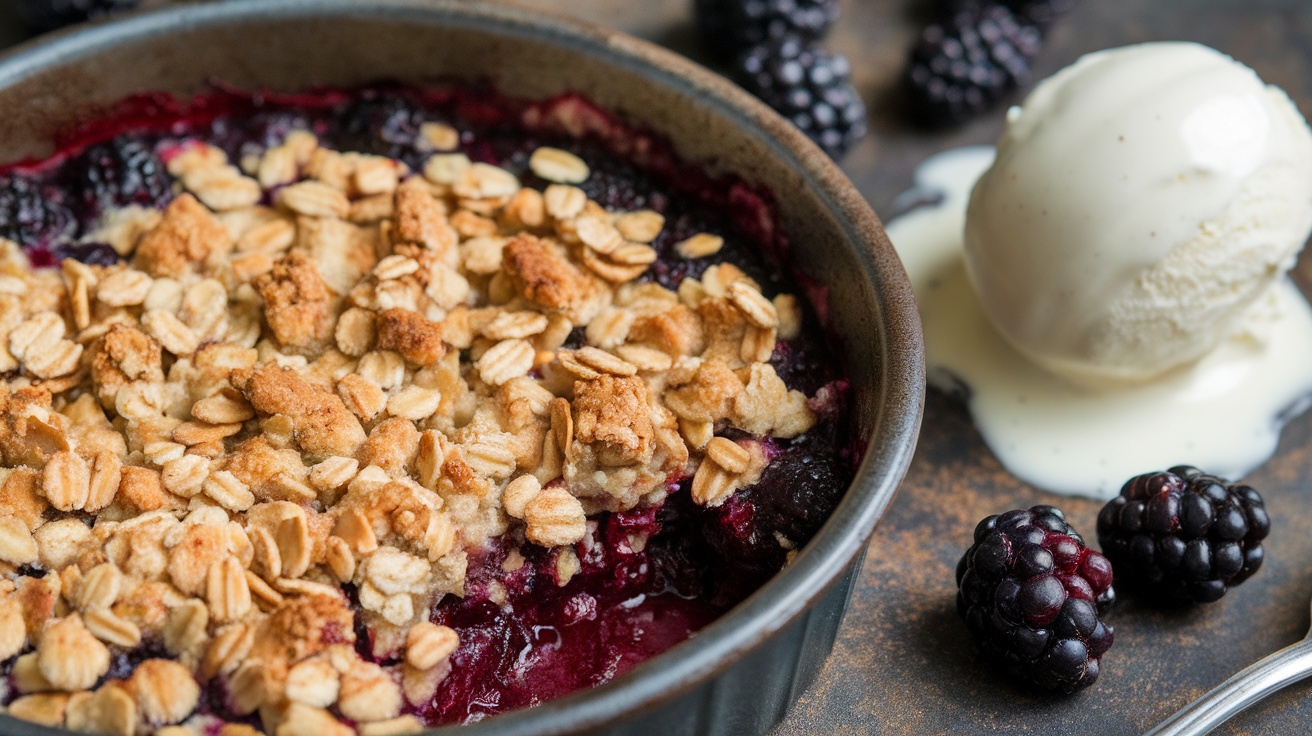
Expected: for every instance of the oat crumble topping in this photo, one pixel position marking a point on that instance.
(319, 369)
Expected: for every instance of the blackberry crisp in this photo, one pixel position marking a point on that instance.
(286, 344)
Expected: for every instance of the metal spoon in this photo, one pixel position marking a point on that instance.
(1249, 685)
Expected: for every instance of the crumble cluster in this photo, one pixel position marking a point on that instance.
(353, 386)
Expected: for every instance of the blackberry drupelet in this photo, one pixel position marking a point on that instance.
(1031, 593)
(810, 87)
(965, 65)
(1184, 534)
(731, 26)
(47, 15)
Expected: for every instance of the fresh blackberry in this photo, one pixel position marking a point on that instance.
(1031, 594)
(33, 215)
(120, 172)
(47, 15)
(1184, 534)
(964, 66)
(731, 26)
(810, 87)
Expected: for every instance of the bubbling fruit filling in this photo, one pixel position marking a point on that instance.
(359, 411)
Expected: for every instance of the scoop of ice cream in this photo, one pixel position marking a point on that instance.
(1141, 201)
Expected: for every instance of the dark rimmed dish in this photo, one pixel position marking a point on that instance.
(740, 674)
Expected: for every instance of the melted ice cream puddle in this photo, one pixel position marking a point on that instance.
(1222, 413)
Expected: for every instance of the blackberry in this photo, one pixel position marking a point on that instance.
(1184, 534)
(118, 173)
(964, 66)
(731, 26)
(386, 126)
(1041, 13)
(31, 214)
(810, 87)
(92, 254)
(1031, 593)
(47, 15)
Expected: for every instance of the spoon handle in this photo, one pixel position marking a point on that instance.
(1244, 688)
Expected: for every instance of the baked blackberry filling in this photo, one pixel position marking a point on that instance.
(373, 409)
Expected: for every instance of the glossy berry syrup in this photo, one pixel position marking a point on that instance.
(650, 577)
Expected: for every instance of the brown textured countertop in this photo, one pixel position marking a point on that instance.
(903, 663)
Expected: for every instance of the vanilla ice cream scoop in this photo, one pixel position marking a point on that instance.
(1141, 201)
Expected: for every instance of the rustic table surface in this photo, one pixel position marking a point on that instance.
(903, 663)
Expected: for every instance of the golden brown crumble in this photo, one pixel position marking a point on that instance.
(354, 386)
(321, 423)
(418, 340)
(20, 499)
(544, 277)
(420, 219)
(610, 412)
(183, 241)
(298, 305)
(675, 331)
